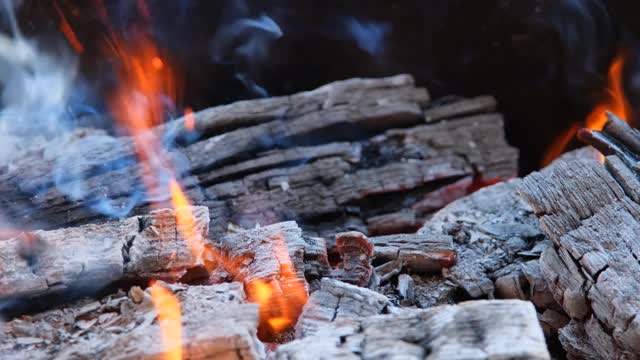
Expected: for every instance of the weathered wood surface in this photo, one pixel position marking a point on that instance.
(460, 107)
(358, 150)
(95, 255)
(499, 329)
(491, 229)
(589, 212)
(340, 303)
(216, 323)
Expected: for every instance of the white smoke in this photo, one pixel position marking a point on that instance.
(36, 88)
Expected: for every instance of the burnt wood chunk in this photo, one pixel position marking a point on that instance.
(216, 323)
(417, 252)
(498, 329)
(90, 257)
(592, 268)
(340, 303)
(355, 250)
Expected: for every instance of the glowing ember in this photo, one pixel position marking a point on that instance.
(189, 119)
(615, 103)
(169, 318)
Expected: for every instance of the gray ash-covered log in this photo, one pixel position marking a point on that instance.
(215, 323)
(506, 329)
(592, 268)
(338, 303)
(347, 156)
(592, 215)
(491, 229)
(92, 256)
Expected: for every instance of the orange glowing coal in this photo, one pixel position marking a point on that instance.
(615, 102)
(169, 318)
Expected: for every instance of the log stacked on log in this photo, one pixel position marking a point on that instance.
(352, 155)
(472, 330)
(216, 323)
(592, 215)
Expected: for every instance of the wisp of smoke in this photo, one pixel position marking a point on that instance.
(369, 35)
(244, 43)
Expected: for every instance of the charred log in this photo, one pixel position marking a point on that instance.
(351, 150)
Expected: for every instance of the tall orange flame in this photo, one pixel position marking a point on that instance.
(615, 102)
(146, 78)
(169, 318)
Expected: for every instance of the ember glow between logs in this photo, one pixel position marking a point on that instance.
(615, 103)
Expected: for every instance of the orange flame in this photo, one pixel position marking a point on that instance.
(145, 78)
(186, 221)
(68, 32)
(615, 103)
(279, 307)
(169, 318)
(560, 144)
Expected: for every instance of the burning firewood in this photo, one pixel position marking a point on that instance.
(91, 257)
(506, 329)
(212, 321)
(592, 215)
(270, 261)
(331, 159)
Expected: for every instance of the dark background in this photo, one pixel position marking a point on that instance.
(545, 60)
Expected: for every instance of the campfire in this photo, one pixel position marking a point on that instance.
(367, 217)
